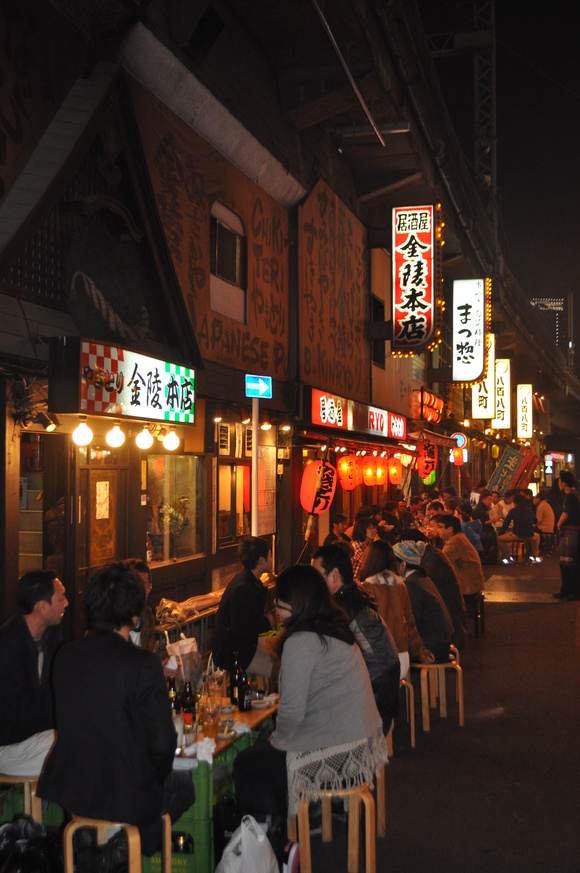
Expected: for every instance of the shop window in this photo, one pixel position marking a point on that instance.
(227, 287)
(175, 504)
(378, 315)
(233, 502)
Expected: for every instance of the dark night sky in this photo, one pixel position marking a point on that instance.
(538, 132)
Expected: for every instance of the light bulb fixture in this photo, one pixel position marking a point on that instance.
(217, 415)
(82, 435)
(161, 434)
(115, 437)
(245, 415)
(144, 439)
(171, 441)
(285, 425)
(265, 423)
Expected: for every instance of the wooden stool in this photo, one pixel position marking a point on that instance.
(361, 793)
(521, 551)
(433, 686)
(547, 542)
(475, 609)
(102, 827)
(32, 803)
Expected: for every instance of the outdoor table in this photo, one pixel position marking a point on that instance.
(210, 783)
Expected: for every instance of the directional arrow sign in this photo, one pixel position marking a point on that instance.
(258, 386)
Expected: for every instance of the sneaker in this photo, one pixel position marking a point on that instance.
(291, 862)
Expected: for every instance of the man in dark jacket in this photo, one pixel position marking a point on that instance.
(28, 641)
(115, 745)
(371, 633)
(241, 616)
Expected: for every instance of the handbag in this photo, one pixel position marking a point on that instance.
(248, 851)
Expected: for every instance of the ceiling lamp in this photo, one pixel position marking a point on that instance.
(48, 422)
(82, 435)
(161, 434)
(245, 415)
(217, 415)
(144, 440)
(265, 423)
(115, 437)
(171, 441)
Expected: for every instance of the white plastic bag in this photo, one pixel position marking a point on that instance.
(185, 651)
(248, 851)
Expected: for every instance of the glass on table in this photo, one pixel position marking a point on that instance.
(211, 720)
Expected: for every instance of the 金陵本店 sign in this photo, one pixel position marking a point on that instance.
(524, 411)
(119, 382)
(100, 379)
(414, 280)
(468, 346)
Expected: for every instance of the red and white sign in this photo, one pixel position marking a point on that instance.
(414, 293)
(338, 412)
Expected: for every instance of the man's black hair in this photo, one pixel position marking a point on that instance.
(113, 596)
(33, 586)
(334, 555)
(251, 549)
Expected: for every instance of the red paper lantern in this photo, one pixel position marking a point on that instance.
(395, 471)
(457, 456)
(370, 471)
(348, 473)
(381, 471)
(426, 458)
(310, 500)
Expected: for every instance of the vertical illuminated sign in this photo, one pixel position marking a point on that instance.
(468, 348)
(483, 393)
(524, 411)
(502, 418)
(414, 280)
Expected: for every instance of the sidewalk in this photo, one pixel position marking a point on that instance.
(500, 794)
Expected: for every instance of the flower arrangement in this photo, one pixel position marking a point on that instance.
(174, 514)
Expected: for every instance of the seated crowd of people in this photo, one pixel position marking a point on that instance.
(93, 719)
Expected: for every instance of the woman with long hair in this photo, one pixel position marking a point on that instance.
(379, 578)
(328, 730)
(363, 533)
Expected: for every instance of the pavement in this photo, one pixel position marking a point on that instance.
(501, 793)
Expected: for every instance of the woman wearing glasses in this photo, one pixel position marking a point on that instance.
(328, 730)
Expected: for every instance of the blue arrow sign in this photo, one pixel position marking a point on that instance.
(258, 386)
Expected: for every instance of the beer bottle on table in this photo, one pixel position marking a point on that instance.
(188, 704)
(235, 680)
(244, 693)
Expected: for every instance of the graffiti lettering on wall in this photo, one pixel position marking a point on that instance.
(333, 284)
(229, 343)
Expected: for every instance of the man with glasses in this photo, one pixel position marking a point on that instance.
(28, 642)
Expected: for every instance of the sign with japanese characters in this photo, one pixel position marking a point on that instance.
(329, 410)
(414, 291)
(502, 419)
(524, 411)
(483, 393)
(118, 382)
(508, 469)
(468, 344)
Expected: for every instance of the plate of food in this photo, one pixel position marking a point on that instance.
(226, 733)
(260, 703)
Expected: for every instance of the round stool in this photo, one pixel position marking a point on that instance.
(433, 686)
(32, 804)
(102, 827)
(359, 794)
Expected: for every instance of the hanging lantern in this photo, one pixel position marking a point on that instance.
(426, 459)
(395, 471)
(348, 473)
(370, 471)
(310, 500)
(457, 454)
(381, 471)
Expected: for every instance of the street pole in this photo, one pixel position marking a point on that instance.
(254, 488)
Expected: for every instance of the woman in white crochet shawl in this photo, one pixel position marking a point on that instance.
(328, 730)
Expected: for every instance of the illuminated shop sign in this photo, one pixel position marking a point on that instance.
(483, 393)
(524, 411)
(468, 318)
(118, 382)
(414, 279)
(502, 419)
(332, 411)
